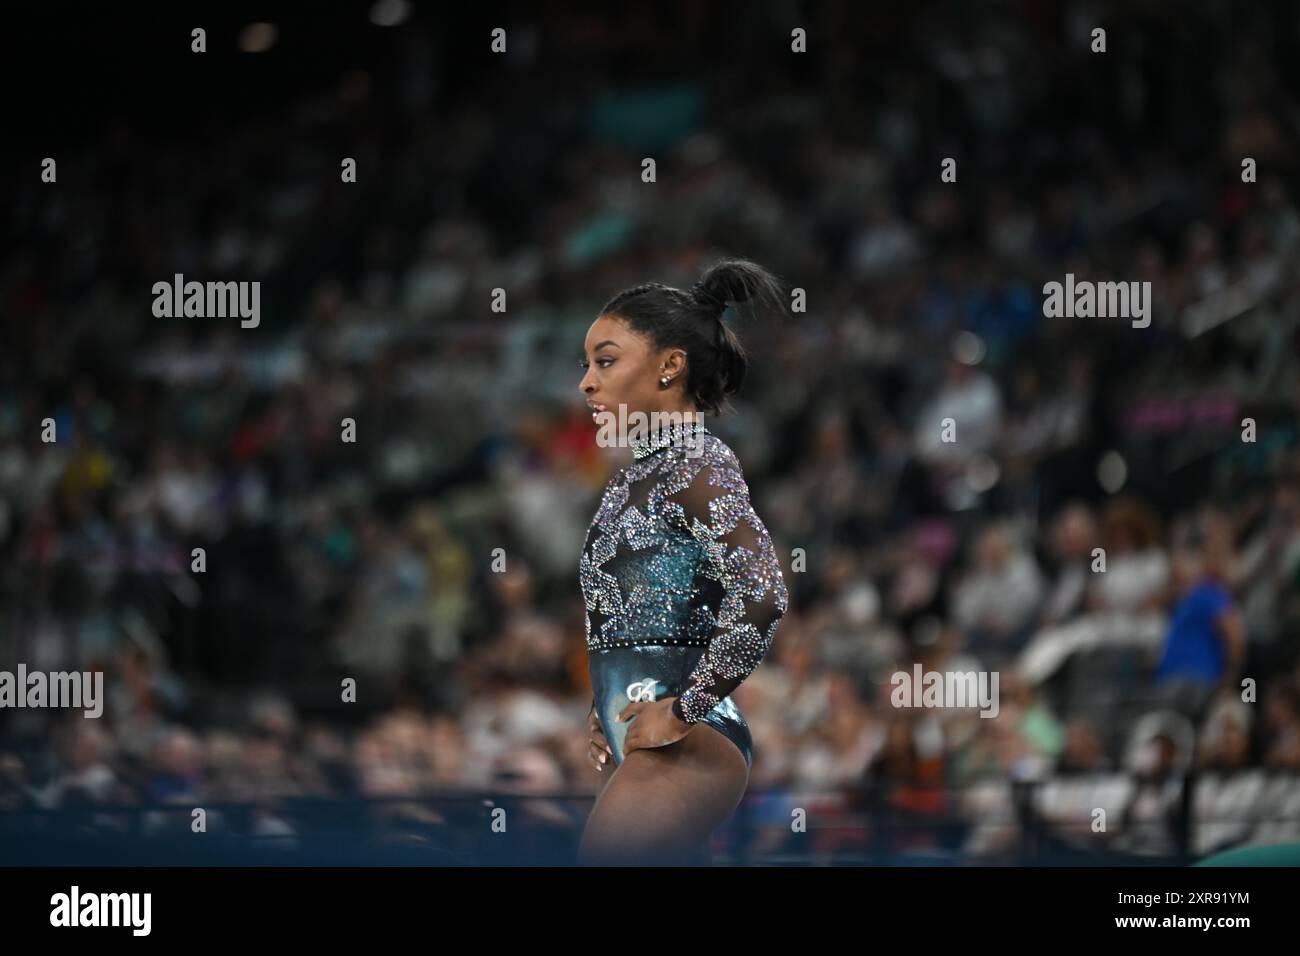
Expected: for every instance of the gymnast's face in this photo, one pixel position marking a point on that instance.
(623, 368)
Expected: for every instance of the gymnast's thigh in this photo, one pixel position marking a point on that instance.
(664, 798)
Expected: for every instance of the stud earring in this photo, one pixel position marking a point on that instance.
(664, 381)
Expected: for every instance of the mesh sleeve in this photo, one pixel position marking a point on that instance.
(716, 509)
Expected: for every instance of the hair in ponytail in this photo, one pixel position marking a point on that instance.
(692, 320)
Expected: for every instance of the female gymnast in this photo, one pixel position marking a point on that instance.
(682, 586)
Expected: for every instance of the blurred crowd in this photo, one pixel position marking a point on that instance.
(434, 559)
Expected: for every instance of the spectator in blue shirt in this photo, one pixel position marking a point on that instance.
(1205, 638)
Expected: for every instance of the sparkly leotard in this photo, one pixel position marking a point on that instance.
(682, 586)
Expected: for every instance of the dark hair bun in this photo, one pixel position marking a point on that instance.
(691, 320)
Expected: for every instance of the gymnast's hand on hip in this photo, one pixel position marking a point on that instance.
(598, 751)
(655, 725)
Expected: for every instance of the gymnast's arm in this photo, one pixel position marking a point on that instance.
(716, 509)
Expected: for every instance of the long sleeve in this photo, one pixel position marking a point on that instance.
(716, 509)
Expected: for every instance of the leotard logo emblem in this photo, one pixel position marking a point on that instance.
(641, 689)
